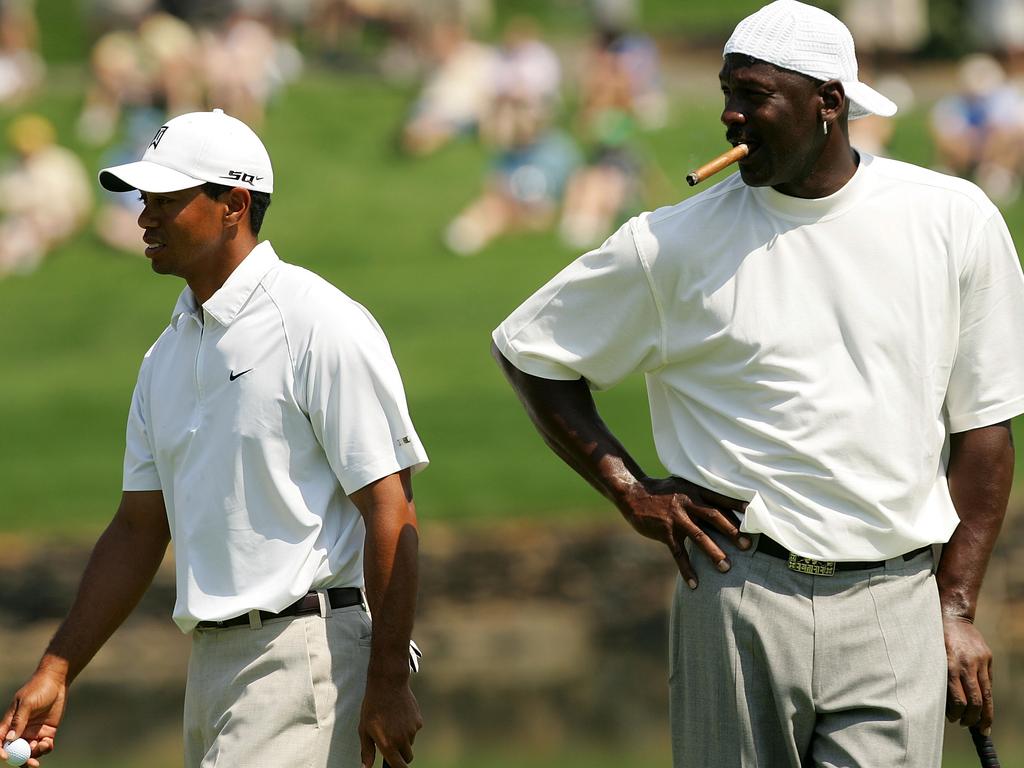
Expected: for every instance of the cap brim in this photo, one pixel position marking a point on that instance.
(865, 101)
(147, 177)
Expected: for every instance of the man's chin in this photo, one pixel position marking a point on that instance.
(752, 178)
(160, 267)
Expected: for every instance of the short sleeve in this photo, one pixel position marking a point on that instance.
(355, 399)
(986, 384)
(597, 319)
(140, 472)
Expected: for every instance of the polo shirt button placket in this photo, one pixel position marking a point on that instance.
(204, 319)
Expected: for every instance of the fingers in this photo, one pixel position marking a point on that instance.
(723, 502)
(720, 511)
(976, 704)
(684, 528)
(969, 698)
(685, 566)
(956, 700)
(966, 700)
(367, 750)
(706, 544)
(988, 707)
(396, 758)
(726, 522)
(18, 721)
(7, 725)
(393, 756)
(44, 746)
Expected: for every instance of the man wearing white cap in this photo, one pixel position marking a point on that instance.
(269, 439)
(830, 342)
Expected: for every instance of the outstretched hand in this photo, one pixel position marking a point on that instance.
(672, 510)
(35, 713)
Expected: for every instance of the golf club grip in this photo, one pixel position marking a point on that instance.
(986, 749)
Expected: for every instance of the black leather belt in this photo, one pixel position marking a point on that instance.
(801, 564)
(339, 597)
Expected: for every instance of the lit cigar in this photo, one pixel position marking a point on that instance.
(724, 160)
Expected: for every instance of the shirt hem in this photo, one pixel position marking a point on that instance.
(534, 366)
(987, 416)
(361, 477)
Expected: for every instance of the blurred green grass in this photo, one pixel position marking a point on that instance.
(353, 209)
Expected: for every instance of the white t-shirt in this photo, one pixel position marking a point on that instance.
(808, 356)
(256, 414)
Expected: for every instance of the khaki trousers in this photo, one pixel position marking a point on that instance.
(773, 668)
(288, 692)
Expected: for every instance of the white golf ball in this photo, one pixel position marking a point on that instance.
(18, 752)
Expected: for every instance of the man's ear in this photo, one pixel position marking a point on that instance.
(238, 201)
(833, 100)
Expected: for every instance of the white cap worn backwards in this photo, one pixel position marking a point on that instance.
(193, 149)
(813, 42)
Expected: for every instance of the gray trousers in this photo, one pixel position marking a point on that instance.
(776, 669)
(287, 693)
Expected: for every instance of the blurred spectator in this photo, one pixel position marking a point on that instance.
(117, 218)
(999, 28)
(614, 23)
(526, 179)
(477, 16)
(979, 131)
(872, 133)
(885, 30)
(527, 74)
(120, 77)
(171, 52)
(21, 66)
(237, 64)
(239, 67)
(105, 16)
(617, 86)
(44, 198)
(456, 94)
(528, 69)
(340, 29)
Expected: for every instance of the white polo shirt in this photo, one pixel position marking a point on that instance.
(808, 356)
(256, 414)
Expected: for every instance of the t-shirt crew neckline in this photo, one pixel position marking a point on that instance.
(818, 208)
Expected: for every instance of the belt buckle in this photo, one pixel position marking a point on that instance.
(811, 567)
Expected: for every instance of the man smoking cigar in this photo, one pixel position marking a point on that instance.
(829, 341)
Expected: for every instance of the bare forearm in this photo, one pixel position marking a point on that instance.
(392, 575)
(566, 417)
(390, 716)
(120, 569)
(980, 474)
(391, 571)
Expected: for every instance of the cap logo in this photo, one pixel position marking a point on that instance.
(246, 178)
(156, 139)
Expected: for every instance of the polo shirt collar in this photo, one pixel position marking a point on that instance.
(229, 299)
(185, 307)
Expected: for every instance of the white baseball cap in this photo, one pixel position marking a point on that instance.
(193, 149)
(801, 38)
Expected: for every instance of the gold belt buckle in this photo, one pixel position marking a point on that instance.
(812, 567)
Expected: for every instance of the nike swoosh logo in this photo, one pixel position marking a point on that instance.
(232, 376)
